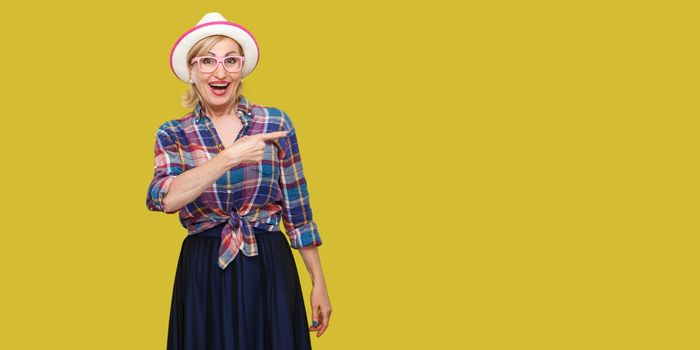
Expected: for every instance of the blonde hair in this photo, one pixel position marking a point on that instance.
(192, 96)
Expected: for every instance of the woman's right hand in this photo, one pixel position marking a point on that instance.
(250, 148)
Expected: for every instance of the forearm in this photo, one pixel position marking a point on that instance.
(313, 264)
(187, 186)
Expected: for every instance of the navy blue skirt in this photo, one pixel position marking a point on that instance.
(254, 303)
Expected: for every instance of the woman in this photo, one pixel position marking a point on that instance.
(233, 171)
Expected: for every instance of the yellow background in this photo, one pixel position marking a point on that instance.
(495, 175)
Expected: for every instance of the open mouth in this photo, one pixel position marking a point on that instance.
(219, 89)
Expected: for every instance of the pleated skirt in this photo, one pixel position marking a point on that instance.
(255, 303)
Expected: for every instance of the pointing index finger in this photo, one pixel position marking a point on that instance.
(272, 135)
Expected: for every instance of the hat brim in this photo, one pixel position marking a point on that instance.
(179, 51)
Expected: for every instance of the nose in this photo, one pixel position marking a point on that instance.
(220, 72)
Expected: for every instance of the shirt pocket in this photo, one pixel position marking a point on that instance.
(267, 174)
(270, 160)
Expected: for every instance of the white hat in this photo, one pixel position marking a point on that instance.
(213, 23)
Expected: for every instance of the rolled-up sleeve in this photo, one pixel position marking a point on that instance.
(168, 163)
(296, 209)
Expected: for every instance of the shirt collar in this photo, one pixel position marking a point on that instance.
(244, 108)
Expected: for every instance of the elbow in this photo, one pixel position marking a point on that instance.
(167, 210)
(157, 198)
(168, 207)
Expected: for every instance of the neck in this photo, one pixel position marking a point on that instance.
(220, 112)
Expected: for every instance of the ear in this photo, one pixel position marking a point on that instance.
(192, 75)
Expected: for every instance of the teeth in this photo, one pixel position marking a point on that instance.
(219, 85)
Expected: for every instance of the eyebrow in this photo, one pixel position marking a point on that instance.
(211, 53)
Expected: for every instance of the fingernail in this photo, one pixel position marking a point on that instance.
(314, 324)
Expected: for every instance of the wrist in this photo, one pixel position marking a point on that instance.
(318, 279)
(230, 158)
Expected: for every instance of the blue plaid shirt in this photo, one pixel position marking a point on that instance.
(249, 195)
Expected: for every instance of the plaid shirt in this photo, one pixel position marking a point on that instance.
(249, 195)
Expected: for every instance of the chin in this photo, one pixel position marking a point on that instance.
(220, 101)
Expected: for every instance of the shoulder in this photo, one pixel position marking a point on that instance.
(175, 127)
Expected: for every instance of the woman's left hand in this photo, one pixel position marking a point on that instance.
(320, 308)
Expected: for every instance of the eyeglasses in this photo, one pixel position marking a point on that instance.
(208, 64)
